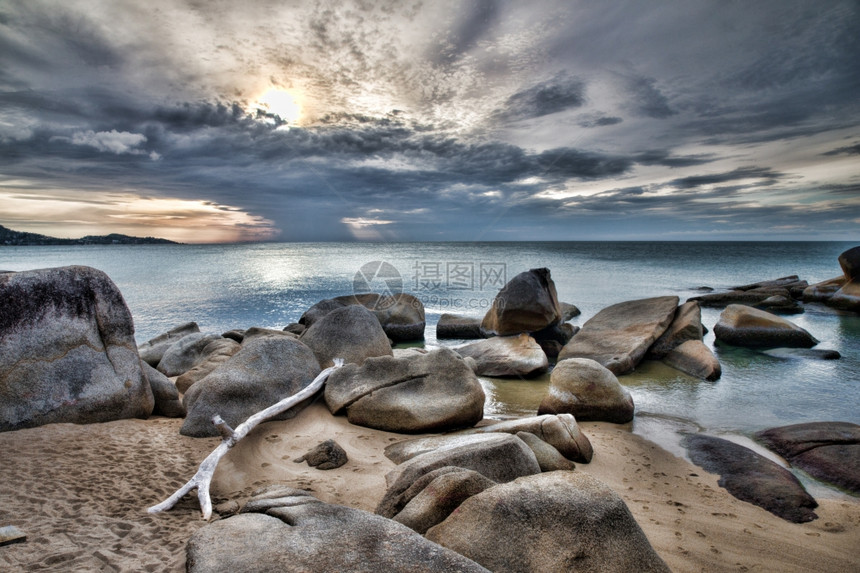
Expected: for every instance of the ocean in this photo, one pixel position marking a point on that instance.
(223, 287)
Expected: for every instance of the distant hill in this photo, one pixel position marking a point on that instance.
(11, 238)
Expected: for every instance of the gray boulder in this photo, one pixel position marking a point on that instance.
(213, 355)
(741, 325)
(619, 336)
(67, 350)
(752, 478)
(686, 325)
(693, 357)
(549, 459)
(588, 391)
(557, 521)
(560, 431)
(182, 355)
(350, 332)
(803, 353)
(506, 356)
(258, 331)
(829, 451)
(153, 350)
(265, 371)
(528, 303)
(848, 297)
(724, 299)
(820, 292)
(167, 402)
(453, 326)
(568, 311)
(285, 529)
(850, 263)
(401, 316)
(326, 455)
(420, 393)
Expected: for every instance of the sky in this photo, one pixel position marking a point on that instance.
(471, 120)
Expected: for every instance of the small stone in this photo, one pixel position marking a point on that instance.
(11, 534)
(327, 455)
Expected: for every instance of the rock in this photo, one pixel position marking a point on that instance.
(780, 283)
(213, 355)
(781, 304)
(440, 497)
(549, 459)
(152, 350)
(568, 311)
(422, 393)
(453, 326)
(696, 359)
(350, 332)
(528, 303)
(258, 331)
(618, 336)
(741, 325)
(181, 356)
(829, 451)
(326, 455)
(724, 299)
(506, 356)
(67, 350)
(557, 521)
(405, 450)
(284, 529)
(850, 263)
(752, 478)
(263, 372)
(803, 353)
(401, 316)
(820, 292)
(295, 328)
(560, 431)
(686, 325)
(553, 338)
(10, 534)
(588, 391)
(846, 298)
(499, 457)
(167, 402)
(236, 334)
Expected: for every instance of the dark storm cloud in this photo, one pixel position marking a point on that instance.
(601, 121)
(847, 150)
(557, 94)
(741, 173)
(647, 99)
(665, 158)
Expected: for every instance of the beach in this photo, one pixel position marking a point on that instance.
(80, 493)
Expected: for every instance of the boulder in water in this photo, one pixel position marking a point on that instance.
(742, 325)
(693, 357)
(350, 332)
(588, 391)
(527, 303)
(506, 356)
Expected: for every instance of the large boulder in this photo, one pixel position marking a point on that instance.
(821, 292)
(752, 478)
(693, 357)
(848, 297)
(350, 332)
(506, 356)
(401, 315)
(67, 350)
(182, 355)
(419, 393)
(454, 326)
(285, 529)
(686, 325)
(528, 303)
(741, 325)
(557, 521)
(153, 349)
(829, 451)
(265, 371)
(560, 431)
(588, 391)
(167, 402)
(619, 336)
(213, 355)
(850, 263)
(549, 459)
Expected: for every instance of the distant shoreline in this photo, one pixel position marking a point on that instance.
(10, 238)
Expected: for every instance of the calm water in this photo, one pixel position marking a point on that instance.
(238, 286)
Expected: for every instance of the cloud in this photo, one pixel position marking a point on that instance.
(551, 96)
(112, 141)
(647, 99)
(846, 150)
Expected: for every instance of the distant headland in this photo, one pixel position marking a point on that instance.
(11, 238)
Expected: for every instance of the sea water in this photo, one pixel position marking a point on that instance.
(223, 287)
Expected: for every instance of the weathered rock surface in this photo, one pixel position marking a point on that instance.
(182, 355)
(741, 325)
(549, 459)
(568, 311)
(686, 325)
(528, 303)
(153, 350)
(420, 393)
(213, 355)
(326, 455)
(803, 353)
(401, 316)
(558, 521)
(506, 356)
(829, 451)
(560, 431)
(850, 263)
(696, 359)
(820, 292)
(553, 338)
(846, 298)
(265, 371)
(499, 457)
(350, 332)
(780, 283)
(167, 402)
(619, 336)
(259, 331)
(588, 391)
(724, 299)
(285, 529)
(440, 497)
(67, 350)
(453, 326)
(752, 478)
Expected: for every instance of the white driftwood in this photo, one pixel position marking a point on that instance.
(203, 477)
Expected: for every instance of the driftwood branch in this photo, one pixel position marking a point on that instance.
(203, 477)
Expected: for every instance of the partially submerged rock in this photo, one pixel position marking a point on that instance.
(741, 325)
(752, 478)
(686, 325)
(527, 303)
(693, 357)
(506, 356)
(454, 326)
(350, 332)
(588, 391)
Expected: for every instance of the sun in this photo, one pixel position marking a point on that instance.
(281, 103)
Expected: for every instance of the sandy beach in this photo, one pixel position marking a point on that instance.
(80, 494)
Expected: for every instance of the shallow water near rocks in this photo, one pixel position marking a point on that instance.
(222, 287)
